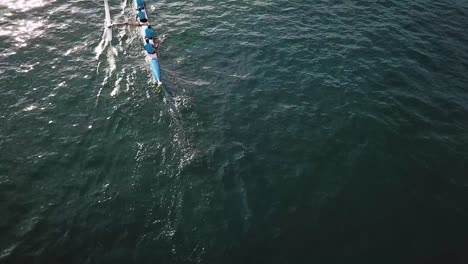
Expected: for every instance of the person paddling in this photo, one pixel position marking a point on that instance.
(151, 48)
(141, 16)
(141, 4)
(150, 34)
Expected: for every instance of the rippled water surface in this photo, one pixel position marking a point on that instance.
(286, 132)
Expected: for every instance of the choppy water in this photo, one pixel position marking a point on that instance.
(288, 132)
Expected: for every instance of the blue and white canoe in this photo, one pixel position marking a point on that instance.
(152, 59)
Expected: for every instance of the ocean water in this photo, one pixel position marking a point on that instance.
(286, 132)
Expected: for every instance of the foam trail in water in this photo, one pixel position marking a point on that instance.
(100, 47)
(111, 66)
(116, 89)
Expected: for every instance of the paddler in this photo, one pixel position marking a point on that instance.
(141, 16)
(150, 34)
(151, 48)
(141, 4)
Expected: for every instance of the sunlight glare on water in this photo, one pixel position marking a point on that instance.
(25, 5)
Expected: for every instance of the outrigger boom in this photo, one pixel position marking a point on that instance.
(126, 24)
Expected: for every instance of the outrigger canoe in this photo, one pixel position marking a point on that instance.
(152, 59)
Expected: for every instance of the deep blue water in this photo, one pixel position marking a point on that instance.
(286, 132)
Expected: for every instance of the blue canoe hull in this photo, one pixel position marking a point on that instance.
(155, 70)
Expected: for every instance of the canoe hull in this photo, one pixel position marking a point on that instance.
(153, 58)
